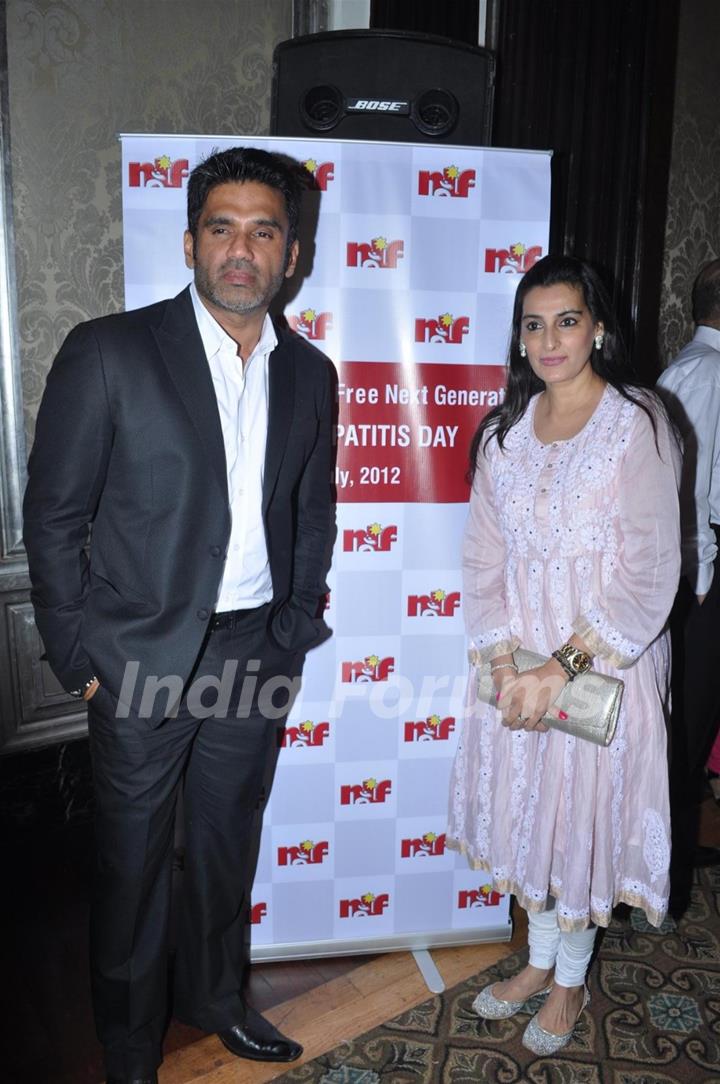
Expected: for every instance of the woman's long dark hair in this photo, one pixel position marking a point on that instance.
(610, 362)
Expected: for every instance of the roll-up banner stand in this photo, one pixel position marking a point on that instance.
(410, 265)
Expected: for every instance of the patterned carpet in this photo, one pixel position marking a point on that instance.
(654, 1018)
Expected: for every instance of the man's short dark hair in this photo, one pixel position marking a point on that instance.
(241, 164)
(706, 294)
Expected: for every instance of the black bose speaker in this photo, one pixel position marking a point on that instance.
(383, 84)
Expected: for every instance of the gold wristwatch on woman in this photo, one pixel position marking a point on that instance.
(573, 660)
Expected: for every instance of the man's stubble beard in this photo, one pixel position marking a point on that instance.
(244, 303)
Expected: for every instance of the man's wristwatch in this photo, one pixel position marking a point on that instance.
(573, 660)
(80, 693)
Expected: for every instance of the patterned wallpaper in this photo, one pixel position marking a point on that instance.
(81, 71)
(692, 234)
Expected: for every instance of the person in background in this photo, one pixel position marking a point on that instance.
(713, 769)
(572, 550)
(194, 437)
(690, 387)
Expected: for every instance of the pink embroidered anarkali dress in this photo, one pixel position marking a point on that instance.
(574, 536)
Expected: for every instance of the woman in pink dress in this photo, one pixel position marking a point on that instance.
(572, 546)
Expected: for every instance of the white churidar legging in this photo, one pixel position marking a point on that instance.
(550, 946)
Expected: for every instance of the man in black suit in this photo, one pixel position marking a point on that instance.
(194, 437)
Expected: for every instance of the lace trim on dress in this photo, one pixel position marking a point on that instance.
(656, 846)
(605, 640)
(637, 894)
(520, 739)
(488, 645)
(568, 780)
(610, 552)
(459, 804)
(574, 916)
(519, 761)
(633, 892)
(485, 771)
(618, 749)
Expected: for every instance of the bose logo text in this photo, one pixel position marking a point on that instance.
(373, 105)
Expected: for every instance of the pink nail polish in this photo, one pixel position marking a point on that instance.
(562, 715)
(497, 696)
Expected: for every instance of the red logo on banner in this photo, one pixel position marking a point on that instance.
(374, 539)
(451, 182)
(431, 729)
(313, 325)
(378, 253)
(258, 912)
(307, 853)
(445, 329)
(365, 906)
(162, 173)
(485, 896)
(369, 792)
(436, 604)
(323, 172)
(429, 845)
(517, 259)
(306, 735)
(371, 668)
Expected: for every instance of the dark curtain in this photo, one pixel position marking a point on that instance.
(591, 80)
(456, 19)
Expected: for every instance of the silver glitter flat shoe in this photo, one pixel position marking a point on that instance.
(542, 1042)
(492, 1008)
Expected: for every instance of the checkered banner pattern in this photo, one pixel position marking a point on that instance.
(414, 260)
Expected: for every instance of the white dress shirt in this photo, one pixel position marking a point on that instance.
(693, 379)
(242, 398)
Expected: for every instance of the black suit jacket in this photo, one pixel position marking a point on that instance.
(129, 440)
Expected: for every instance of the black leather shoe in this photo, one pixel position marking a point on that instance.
(258, 1040)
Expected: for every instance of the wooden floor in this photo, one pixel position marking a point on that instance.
(336, 1011)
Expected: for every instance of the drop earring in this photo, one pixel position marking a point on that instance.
(523, 350)
(599, 340)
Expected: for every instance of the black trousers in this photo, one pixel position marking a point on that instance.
(695, 714)
(696, 685)
(227, 765)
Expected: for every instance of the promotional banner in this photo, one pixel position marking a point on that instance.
(410, 259)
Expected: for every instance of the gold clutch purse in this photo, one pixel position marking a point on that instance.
(591, 701)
